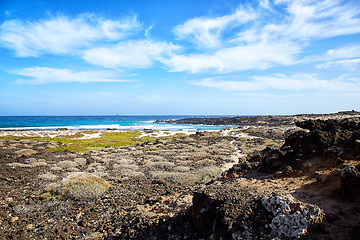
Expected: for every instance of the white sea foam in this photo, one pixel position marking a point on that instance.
(140, 126)
(96, 127)
(99, 127)
(35, 128)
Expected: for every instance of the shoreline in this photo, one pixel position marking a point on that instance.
(175, 127)
(269, 120)
(154, 184)
(197, 123)
(88, 134)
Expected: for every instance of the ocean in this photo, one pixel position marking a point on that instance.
(100, 123)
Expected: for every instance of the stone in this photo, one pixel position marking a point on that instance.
(48, 177)
(80, 161)
(16, 165)
(26, 152)
(291, 218)
(39, 164)
(329, 140)
(30, 227)
(55, 168)
(73, 169)
(30, 160)
(14, 219)
(350, 182)
(67, 164)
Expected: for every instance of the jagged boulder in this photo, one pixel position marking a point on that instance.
(350, 182)
(273, 216)
(290, 218)
(331, 140)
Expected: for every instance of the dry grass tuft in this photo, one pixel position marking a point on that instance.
(79, 186)
(85, 186)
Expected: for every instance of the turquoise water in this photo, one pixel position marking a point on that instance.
(99, 123)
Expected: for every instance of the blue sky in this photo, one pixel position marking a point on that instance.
(179, 57)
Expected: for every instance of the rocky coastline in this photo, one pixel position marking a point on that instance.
(280, 177)
(286, 120)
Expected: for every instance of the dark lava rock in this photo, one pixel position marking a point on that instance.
(239, 121)
(259, 120)
(350, 182)
(207, 216)
(224, 209)
(331, 140)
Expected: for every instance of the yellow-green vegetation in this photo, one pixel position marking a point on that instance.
(175, 136)
(108, 139)
(51, 192)
(208, 173)
(180, 134)
(74, 143)
(78, 186)
(153, 149)
(201, 156)
(14, 138)
(86, 186)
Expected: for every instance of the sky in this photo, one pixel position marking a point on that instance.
(175, 57)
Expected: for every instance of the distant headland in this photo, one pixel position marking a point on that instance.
(276, 120)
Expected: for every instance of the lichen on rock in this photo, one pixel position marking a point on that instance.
(291, 218)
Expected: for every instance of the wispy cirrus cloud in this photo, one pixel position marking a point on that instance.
(257, 56)
(271, 34)
(63, 34)
(98, 41)
(347, 57)
(42, 75)
(351, 64)
(263, 35)
(313, 19)
(297, 82)
(207, 32)
(129, 54)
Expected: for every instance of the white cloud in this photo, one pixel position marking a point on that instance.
(254, 56)
(62, 35)
(138, 54)
(265, 4)
(274, 38)
(351, 64)
(42, 75)
(344, 53)
(273, 33)
(347, 57)
(320, 19)
(301, 21)
(228, 85)
(98, 41)
(298, 82)
(206, 32)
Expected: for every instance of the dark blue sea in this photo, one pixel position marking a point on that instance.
(99, 123)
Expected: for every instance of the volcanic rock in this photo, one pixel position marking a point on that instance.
(350, 182)
(329, 140)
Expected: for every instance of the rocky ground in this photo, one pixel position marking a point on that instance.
(253, 182)
(280, 120)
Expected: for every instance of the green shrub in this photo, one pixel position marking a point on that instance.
(85, 186)
(79, 186)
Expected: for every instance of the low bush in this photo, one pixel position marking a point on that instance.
(79, 186)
